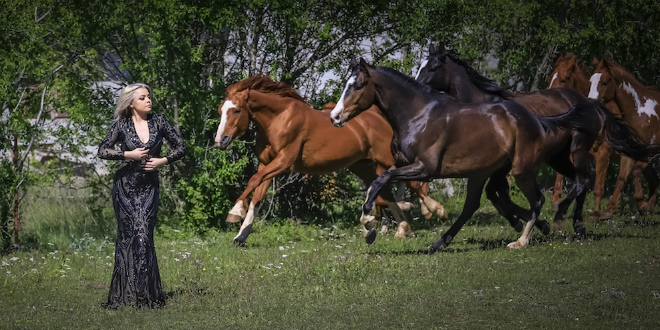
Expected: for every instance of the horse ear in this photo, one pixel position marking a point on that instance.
(353, 63)
(595, 61)
(431, 48)
(363, 65)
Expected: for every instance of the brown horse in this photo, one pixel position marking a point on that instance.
(570, 73)
(293, 137)
(639, 106)
(445, 71)
(436, 136)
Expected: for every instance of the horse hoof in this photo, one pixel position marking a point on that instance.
(383, 230)
(558, 224)
(442, 214)
(516, 245)
(370, 236)
(233, 218)
(239, 241)
(544, 227)
(579, 229)
(605, 216)
(435, 247)
(403, 230)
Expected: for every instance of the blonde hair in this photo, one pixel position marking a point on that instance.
(125, 99)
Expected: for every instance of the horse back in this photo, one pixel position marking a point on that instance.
(549, 102)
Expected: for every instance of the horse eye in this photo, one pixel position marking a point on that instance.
(563, 80)
(237, 110)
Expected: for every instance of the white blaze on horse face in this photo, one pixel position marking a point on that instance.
(554, 77)
(421, 66)
(593, 91)
(223, 119)
(648, 108)
(340, 104)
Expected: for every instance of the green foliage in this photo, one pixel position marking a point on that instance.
(190, 51)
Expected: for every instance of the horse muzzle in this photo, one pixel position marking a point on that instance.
(338, 120)
(224, 142)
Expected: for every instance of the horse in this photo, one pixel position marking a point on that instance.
(293, 137)
(445, 71)
(639, 107)
(436, 136)
(570, 73)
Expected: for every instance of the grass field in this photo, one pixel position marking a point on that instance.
(309, 277)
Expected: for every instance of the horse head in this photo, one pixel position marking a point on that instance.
(603, 87)
(358, 95)
(234, 117)
(429, 72)
(562, 75)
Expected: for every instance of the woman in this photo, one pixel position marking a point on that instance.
(140, 134)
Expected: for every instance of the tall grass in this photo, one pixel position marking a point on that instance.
(61, 216)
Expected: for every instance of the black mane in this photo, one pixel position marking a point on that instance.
(406, 80)
(484, 84)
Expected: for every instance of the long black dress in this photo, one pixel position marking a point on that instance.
(136, 279)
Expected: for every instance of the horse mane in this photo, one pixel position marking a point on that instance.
(487, 85)
(619, 70)
(264, 84)
(406, 80)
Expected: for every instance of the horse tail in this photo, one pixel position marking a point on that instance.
(580, 117)
(624, 138)
(589, 117)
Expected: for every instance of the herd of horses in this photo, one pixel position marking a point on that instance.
(451, 122)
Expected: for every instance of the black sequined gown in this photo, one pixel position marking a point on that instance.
(136, 279)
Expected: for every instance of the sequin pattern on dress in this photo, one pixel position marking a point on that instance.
(135, 278)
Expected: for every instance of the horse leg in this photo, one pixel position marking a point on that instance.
(602, 162)
(638, 169)
(526, 181)
(497, 191)
(400, 196)
(264, 174)
(556, 191)
(364, 170)
(652, 180)
(429, 206)
(253, 210)
(475, 188)
(562, 164)
(581, 161)
(238, 212)
(624, 171)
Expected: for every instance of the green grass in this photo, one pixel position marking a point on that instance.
(309, 277)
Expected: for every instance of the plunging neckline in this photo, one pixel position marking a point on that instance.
(148, 130)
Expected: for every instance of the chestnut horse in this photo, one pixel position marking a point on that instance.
(445, 71)
(571, 74)
(639, 107)
(436, 136)
(293, 137)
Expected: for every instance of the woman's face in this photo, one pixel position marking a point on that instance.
(141, 103)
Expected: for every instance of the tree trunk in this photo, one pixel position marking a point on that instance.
(542, 67)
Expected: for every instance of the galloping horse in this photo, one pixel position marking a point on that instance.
(437, 136)
(445, 71)
(639, 107)
(293, 137)
(571, 74)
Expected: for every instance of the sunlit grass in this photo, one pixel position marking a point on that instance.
(318, 277)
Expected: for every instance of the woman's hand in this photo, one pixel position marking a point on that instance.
(153, 163)
(137, 154)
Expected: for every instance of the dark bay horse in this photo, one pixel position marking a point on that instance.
(293, 137)
(571, 73)
(639, 106)
(445, 71)
(435, 136)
